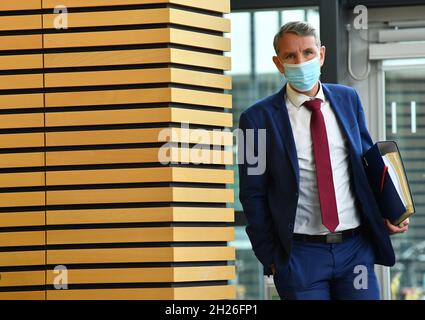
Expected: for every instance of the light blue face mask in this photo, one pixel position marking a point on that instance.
(303, 76)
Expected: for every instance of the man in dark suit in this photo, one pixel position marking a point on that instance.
(312, 219)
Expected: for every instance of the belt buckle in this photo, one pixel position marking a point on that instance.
(334, 237)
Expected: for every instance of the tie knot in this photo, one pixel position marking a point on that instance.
(313, 104)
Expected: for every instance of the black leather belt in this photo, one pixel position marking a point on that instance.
(333, 237)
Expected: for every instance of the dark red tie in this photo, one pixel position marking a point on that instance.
(325, 183)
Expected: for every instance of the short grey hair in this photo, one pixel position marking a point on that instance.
(300, 28)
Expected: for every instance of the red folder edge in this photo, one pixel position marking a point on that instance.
(383, 177)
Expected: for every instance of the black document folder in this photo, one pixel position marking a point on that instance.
(388, 180)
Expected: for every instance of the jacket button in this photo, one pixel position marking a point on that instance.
(290, 226)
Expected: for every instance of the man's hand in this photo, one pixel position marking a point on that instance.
(392, 229)
(273, 268)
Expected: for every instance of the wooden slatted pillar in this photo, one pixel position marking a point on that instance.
(89, 116)
(22, 157)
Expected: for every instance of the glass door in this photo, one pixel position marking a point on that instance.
(404, 96)
(254, 76)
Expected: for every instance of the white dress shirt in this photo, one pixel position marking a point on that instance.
(308, 218)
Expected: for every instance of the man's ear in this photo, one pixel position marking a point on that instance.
(278, 64)
(322, 55)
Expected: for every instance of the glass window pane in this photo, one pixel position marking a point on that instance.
(314, 18)
(293, 15)
(405, 123)
(266, 26)
(309, 14)
(240, 38)
(249, 276)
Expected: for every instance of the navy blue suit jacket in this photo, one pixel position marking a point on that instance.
(270, 199)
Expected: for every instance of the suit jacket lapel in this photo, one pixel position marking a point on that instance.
(335, 103)
(285, 130)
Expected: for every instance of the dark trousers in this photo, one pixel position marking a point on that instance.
(321, 271)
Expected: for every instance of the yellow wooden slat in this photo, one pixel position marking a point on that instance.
(159, 95)
(27, 61)
(205, 293)
(21, 179)
(116, 255)
(222, 119)
(111, 18)
(144, 36)
(66, 99)
(77, 256)
(128, 215)
(72, 138)
(75, 177)
(102, 137)
(126, 195)
(204, 273)
(22, 238)
(183, 293)
(203, 233)
(202, 175)
(57, 197)
(201, 79)
(139, 17)
(21, 219)
(111, 294)
(17, 101)
(202, 195)
(204, 21)
(23, 295)
(103, 38)
(211, 253)
(198, 39)
(199, 157)
(98, 117)
(208, 137)
(118, 77)
(21, 140)
(200, 59)
(32, 41)
(97, 3)
(106, 58)
(102, 156)
(21, 81)
(16, 199)
(26, 22)
(129, 235)
(20, 5)
(216, 5)
(222, 6)
(139, 76)
(115, 275)
(137, 156)
(22, 258)
(140, 275)
(86, 98)
(203, 214)
(145, 115)
(112, 235)
(25, 120)
(139, 56)
(19, 160)
(201, 98)
(22, 278)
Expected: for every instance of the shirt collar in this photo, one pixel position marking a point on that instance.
(297, 99)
